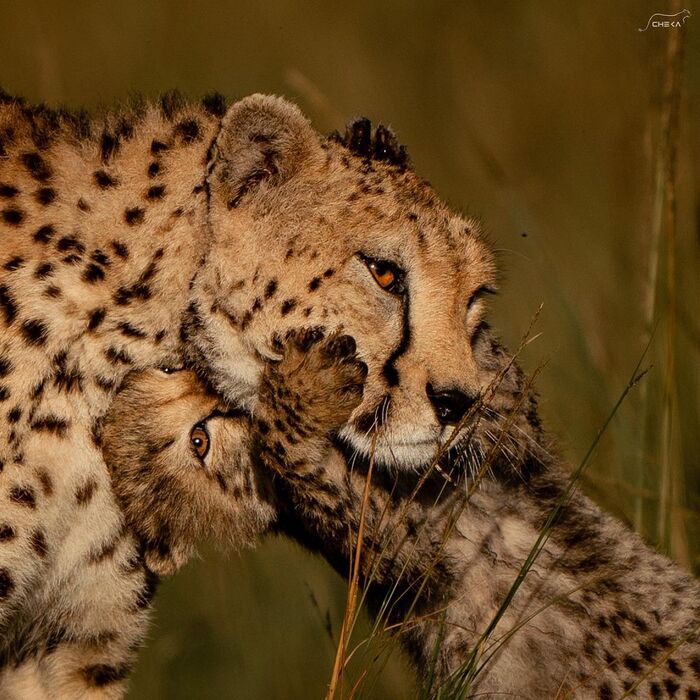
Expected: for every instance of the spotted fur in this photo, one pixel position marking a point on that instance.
(195, 233)
(152, 235)
(601, 613)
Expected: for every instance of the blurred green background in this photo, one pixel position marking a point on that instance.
(544, 119)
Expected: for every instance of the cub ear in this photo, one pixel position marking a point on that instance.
(263, 139)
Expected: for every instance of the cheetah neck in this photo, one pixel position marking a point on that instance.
(438, 568)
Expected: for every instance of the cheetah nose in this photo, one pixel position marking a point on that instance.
(449, 405)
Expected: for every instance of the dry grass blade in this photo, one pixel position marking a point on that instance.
(673, 69)
(349, 616)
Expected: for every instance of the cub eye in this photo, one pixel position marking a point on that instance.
(199, 439)
(386, 274)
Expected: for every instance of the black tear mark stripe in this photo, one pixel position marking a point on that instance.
(389, 370)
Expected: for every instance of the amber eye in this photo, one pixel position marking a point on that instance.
(199, 439)
(386, 274)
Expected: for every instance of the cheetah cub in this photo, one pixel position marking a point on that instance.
(180, 458)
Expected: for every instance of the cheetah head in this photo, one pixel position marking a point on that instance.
(341, 234)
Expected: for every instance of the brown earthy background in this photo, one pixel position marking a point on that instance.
(555, 122)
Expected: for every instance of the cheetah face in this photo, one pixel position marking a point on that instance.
(182, 477)
(340, 234)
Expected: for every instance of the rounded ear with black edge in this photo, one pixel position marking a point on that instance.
(263, 139)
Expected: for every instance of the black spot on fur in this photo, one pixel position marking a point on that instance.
(134, 216)
(270, 289)
(35, 332)
(605, 692)
(153, 169)
(118, 357)
(6, 583)
(171, 103)
(85, 492)
(5, 366)
(8, 305)
(287, 306)
(53, 292)
(104, 179)
(70, 243)
(109, 145)
(101, 675)
(632, 664)
(67, 379)
(14, 415)
(215, 104)
(38, 389)
(38, 542)
(7, 532)
(314, 284)
(155, 192)
(131, 331)
(123, 296)
(37, 166)
(93, 273)
(8, 191)
(14, 263)
(120, 249)
(44, 234)
(45, 195)
(83, 205)
(100, 258)
(23, 496)
(72, 259)
(4, 393)
(695, 666)
(96, 318)
(671, 686)
(51, 424)
(674, 668)
(13, 216)
(43, 271)
(189, 130)
(157, 147)
(45, 482)
(105, 383)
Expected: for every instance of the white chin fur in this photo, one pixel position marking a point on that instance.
(392, 454)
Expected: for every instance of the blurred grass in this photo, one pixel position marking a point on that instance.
(545, 118)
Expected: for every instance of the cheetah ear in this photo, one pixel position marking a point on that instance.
(264, 140)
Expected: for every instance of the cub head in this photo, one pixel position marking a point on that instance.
(340, 233)
(177, 458)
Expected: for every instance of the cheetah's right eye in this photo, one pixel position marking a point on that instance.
(199, 439)
(389, 276)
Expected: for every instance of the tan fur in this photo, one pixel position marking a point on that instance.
(599, 610)
(173, 499)
(170, 232)
(183, 233)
